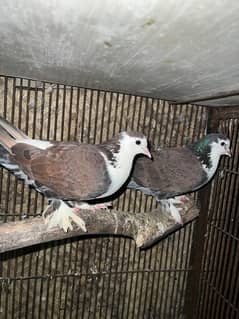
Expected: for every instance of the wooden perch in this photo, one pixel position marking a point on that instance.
(144, 228)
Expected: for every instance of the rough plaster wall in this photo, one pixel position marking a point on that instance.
(175, 49)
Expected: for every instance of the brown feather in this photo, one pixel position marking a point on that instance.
(67, 169)
(173, 171)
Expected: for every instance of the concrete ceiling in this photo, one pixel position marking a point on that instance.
(175, 49)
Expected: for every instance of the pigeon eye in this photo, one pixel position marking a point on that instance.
(223, 143)
(138, 142)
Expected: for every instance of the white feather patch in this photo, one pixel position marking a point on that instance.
(43, 145)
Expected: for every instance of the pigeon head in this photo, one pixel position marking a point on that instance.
(134, 143)
(209, 150)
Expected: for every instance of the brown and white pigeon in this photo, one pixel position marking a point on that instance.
(176, 171)
(70, 171)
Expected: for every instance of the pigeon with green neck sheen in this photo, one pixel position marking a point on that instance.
(176, 171)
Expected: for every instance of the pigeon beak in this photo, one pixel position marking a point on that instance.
(228, 151)
(147, 153)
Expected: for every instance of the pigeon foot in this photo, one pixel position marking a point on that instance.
(63, 216)
(169, 206)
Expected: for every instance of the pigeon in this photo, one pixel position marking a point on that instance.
(70, 172)
(176, 171)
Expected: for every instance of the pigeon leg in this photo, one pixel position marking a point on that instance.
(62, 215)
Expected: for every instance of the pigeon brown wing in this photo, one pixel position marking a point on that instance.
(172, 172)
(71, 171)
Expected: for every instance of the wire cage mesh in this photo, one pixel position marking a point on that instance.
(99, 276)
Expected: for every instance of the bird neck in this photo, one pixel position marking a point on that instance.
(208, 159)
(119, 165)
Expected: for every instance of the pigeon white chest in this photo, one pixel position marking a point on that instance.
(118, 170)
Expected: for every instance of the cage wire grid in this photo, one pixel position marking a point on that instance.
(99, 276)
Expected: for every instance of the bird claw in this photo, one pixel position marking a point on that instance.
(63, 217)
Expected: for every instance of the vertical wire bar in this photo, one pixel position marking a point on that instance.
(99, 248)
(181, 241)
(157, 296)
(168, 292)
(126, 279)
(155, 252)
(146, 289)
(63, 113)
(83, 116)
(16, 183)
(47, 289)
(90, 116)
(109, 277)
(42, 111)
(83, 313)
(153, 139)
(28, 286)
(21, 284)
(93, 279)
(67, 283)
(184, 109)
(122, 112)
(41, 283)
(70, 115)
(151, 114)
(164, 278)
(35, 285)
(109, 116)
(82, 250)
(137, 265)
(167, 119)
(77, 114)
(218, 249)
(175, 290)
(187, 263)
(115, 278)
(96, 118)
(106, 250)
(35, 112)
(121, 260)
(19, 126)
(127, 112)
(5, 97)
(139, 113)
(131, 290)
(14, 284)
(49, 115)
(56, 112)
(61, 287)
(74, 279)
(6, 304)
(158, 141)
(171, 133)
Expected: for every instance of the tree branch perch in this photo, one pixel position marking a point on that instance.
(144, 228)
